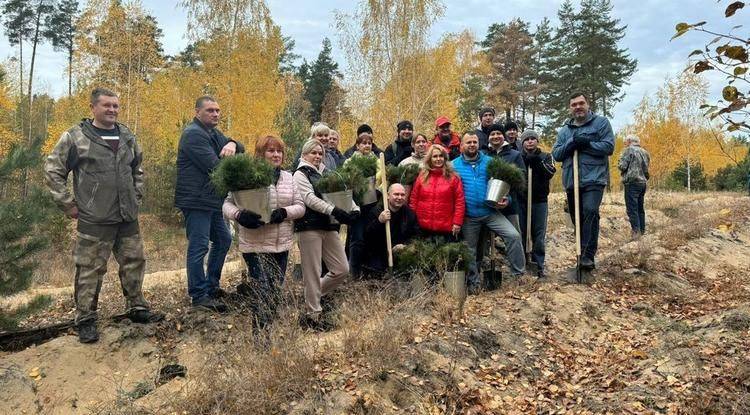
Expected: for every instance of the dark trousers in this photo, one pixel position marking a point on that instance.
(538, 231)
(591, 198)
(266, 276)
(355, 241)
(207, 233)
(634, 195)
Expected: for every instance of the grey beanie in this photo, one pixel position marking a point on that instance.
(529, 134)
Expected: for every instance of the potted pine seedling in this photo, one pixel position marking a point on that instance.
(504, 177)
(247, 179)
(334, 188)
(366, 167)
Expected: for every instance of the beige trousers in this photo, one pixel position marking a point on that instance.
(312, 246)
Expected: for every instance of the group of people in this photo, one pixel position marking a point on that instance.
(445, 204)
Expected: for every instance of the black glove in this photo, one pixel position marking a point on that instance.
(341, 216)
(250, 220)
(582, 141)
(278, 215)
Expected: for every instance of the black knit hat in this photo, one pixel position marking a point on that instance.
(496, 127)
(364, 128)
(486, 110)
(511, 125)
(403, 125)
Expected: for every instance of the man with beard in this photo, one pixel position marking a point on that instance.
(591, 135)
(401, 148)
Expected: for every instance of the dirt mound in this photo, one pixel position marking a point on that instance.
(663, 329)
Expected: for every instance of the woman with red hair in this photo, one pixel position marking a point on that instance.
(265, 246)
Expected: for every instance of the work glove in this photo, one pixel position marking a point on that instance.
(343, 217)
(582, 141)
(250, 220)
(278, 215)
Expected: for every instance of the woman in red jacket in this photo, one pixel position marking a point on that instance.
(437, 197)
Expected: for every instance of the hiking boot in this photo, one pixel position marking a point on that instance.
(474, 290)
(541, 276)
(145, 316)
(211, 304)
(315, 323)
(587, 264)
(87, 332)
(219, 293)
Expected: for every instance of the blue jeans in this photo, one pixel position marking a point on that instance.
(267, 268)
(500, 225)
(203, 227)
(634, 195)
(538, 231)
(591, 198)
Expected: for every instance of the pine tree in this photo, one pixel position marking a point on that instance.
(22, 220)
(60, 29)
(508, 47)
(318, 79)
(18, 19)
(541, 75)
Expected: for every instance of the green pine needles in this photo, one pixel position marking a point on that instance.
(332, 182)
(405, 175)
(429, 258)
(367, 165)
(241, 172)
(502, 170)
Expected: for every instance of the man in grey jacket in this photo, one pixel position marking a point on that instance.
(591, 135)
(105, 159)
(633, 166)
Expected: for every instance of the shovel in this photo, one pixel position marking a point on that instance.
(528, 219)
(577, 207)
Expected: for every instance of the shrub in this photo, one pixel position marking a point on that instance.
(500, 169)
(454, 256)
(367, 165)
(241, 172)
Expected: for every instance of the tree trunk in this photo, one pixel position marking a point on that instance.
(688, 173)
(70, 72)
(34, 43)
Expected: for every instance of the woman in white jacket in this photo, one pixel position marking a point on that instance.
(318, 235)
(265, 246)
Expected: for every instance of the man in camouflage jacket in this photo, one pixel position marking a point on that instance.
(105, 159)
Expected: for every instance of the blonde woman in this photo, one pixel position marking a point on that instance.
(318, 236)
(437, 197)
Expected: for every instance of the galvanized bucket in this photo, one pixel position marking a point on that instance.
(370, 196)
(342, 200)
(256, 201)
(455, 284)
(496, 190)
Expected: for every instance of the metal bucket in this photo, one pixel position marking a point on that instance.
(370, 196)
(256, 201)
(496, 190)
(455, 284)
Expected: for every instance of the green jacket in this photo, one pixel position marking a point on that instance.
(107, 185)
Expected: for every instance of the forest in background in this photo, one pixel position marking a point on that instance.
(240, 55)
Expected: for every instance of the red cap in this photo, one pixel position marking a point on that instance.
(442, 120)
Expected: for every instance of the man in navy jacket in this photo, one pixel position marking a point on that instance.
(592, 136)
(201, 146)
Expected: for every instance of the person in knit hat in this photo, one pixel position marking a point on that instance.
(401, 147)
(364, 128)
(542, 168)
(511, 135)
(486, 119)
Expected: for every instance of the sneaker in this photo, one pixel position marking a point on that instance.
(211, 304)
(145, 316)
(87, 332)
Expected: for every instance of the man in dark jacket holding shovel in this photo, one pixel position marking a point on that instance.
(591, 135)
(200, 149)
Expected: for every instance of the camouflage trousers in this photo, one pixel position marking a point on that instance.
(91, 254)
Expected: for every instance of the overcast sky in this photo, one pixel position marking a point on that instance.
(650, 26)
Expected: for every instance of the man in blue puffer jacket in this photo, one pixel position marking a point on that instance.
(592, 136)
(201, 146)
(471, 166)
